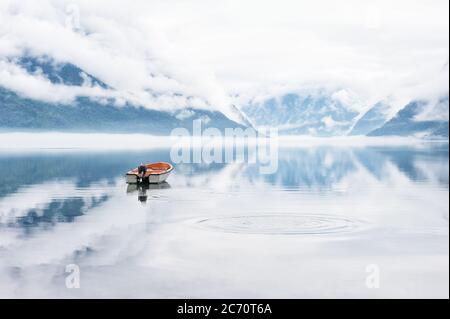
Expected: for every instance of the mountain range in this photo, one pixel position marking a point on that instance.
(317, 114)
(322, 115)
(87, 114)
(295, 114)
(407, 122)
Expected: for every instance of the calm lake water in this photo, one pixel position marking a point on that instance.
(324, 225)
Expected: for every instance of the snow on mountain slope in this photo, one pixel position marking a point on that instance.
(311, 114)
(374, 118)
(418, 118)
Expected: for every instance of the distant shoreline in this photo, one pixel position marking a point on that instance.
(106, 141)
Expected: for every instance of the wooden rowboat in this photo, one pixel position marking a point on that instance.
(156, 173)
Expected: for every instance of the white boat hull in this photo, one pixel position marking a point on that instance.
(152, 179)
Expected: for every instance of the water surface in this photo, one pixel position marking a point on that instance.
(224, 230)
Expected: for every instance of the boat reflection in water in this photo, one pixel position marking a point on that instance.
(142, 188)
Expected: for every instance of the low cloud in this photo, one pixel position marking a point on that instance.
(434, 111)
(172, 54)
(36, 86)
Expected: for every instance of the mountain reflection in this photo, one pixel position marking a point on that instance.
(85, 168)
(316, 168)
(57, 211)
(322, 168)
(42, 190)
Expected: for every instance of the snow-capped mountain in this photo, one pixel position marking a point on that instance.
(320, 113)
(88, 113)
(374, 118)
(311, 114)
(418, 118)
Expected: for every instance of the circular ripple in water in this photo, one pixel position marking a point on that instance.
(281, 224)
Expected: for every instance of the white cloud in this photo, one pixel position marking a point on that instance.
(185, 114)
(348, 98)
(226, 52)
(434, 111)
(40, 88)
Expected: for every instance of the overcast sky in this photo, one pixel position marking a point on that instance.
(214, 53)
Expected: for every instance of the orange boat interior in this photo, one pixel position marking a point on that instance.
(155, 168)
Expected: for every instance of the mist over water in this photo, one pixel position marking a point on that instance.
(224, 230)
